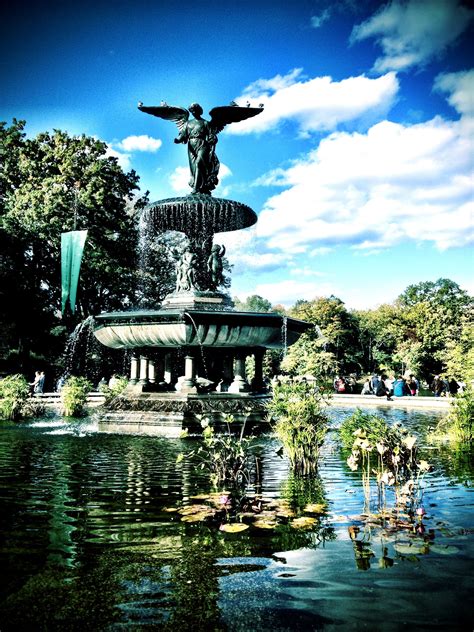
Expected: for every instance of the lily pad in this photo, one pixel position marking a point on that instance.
(305, 522)
(447, 549)
(170, 509)
(265, 524)
(246, 515)
(267, 515)
(197, 517)
(316, 508)
(192, 509)
(409, 548)
(285, 513)
(233, 528)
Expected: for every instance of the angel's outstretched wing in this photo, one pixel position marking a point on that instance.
(223, 115)
(173, 113)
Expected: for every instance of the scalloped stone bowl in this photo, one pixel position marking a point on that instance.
(192, 328)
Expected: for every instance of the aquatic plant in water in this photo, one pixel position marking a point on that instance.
(372, 425)
(225, 456)
(300, 423)
(74, 396)
(389, 454)
(458, 425)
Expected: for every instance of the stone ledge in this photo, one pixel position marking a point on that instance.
(435, 403)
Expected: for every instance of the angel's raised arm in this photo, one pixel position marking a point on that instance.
(173, 113)
(223, 115)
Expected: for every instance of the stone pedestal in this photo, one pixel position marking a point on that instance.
(258, 384)
(143, 378)
(240, 384)
(133, 370)
(189, 383)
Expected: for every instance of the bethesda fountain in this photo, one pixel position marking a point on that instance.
(189, 354)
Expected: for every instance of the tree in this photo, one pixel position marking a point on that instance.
(443, 292)
(51, 184)
(253, 303)
(458, 355)
(414, 333)
(331, 346)
(381, 331)
(438, 312)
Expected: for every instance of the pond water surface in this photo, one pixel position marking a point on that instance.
(87, 543)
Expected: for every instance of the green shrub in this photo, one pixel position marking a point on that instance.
(112, 391)
(300, 423)
(457, 426)
(74, 396)
(13, 397)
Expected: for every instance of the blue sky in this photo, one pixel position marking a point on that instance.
(360, 167)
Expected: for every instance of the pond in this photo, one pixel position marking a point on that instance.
(88, 541)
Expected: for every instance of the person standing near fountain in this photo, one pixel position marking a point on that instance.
(36, 383)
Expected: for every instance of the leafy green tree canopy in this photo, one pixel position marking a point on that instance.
(254, 303)
(48, 185)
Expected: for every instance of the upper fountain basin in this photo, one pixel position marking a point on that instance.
(169, 329)
(198, 214)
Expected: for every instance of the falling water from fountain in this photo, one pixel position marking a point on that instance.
(79, 348)
(201, 346)
(284, 335)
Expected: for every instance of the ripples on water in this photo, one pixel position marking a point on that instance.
(86, 541)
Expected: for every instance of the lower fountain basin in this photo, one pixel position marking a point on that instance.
(171, 329)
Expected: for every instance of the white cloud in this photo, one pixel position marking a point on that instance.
(224, 172)
(318, 20)
(123, 159)
(287, 292)
(140, 143)
(248, 255)
(316, 104)
(179, 179)
(306, 272)
(320, 252)
(460, 89)
(261, 262)
(374, 190)
(412, 32)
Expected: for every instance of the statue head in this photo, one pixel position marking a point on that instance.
(195, 108)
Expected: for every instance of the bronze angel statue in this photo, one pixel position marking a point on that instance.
(201, 137)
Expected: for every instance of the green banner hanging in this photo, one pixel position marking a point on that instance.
(72, 247)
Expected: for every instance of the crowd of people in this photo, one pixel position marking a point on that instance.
(382, 385)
